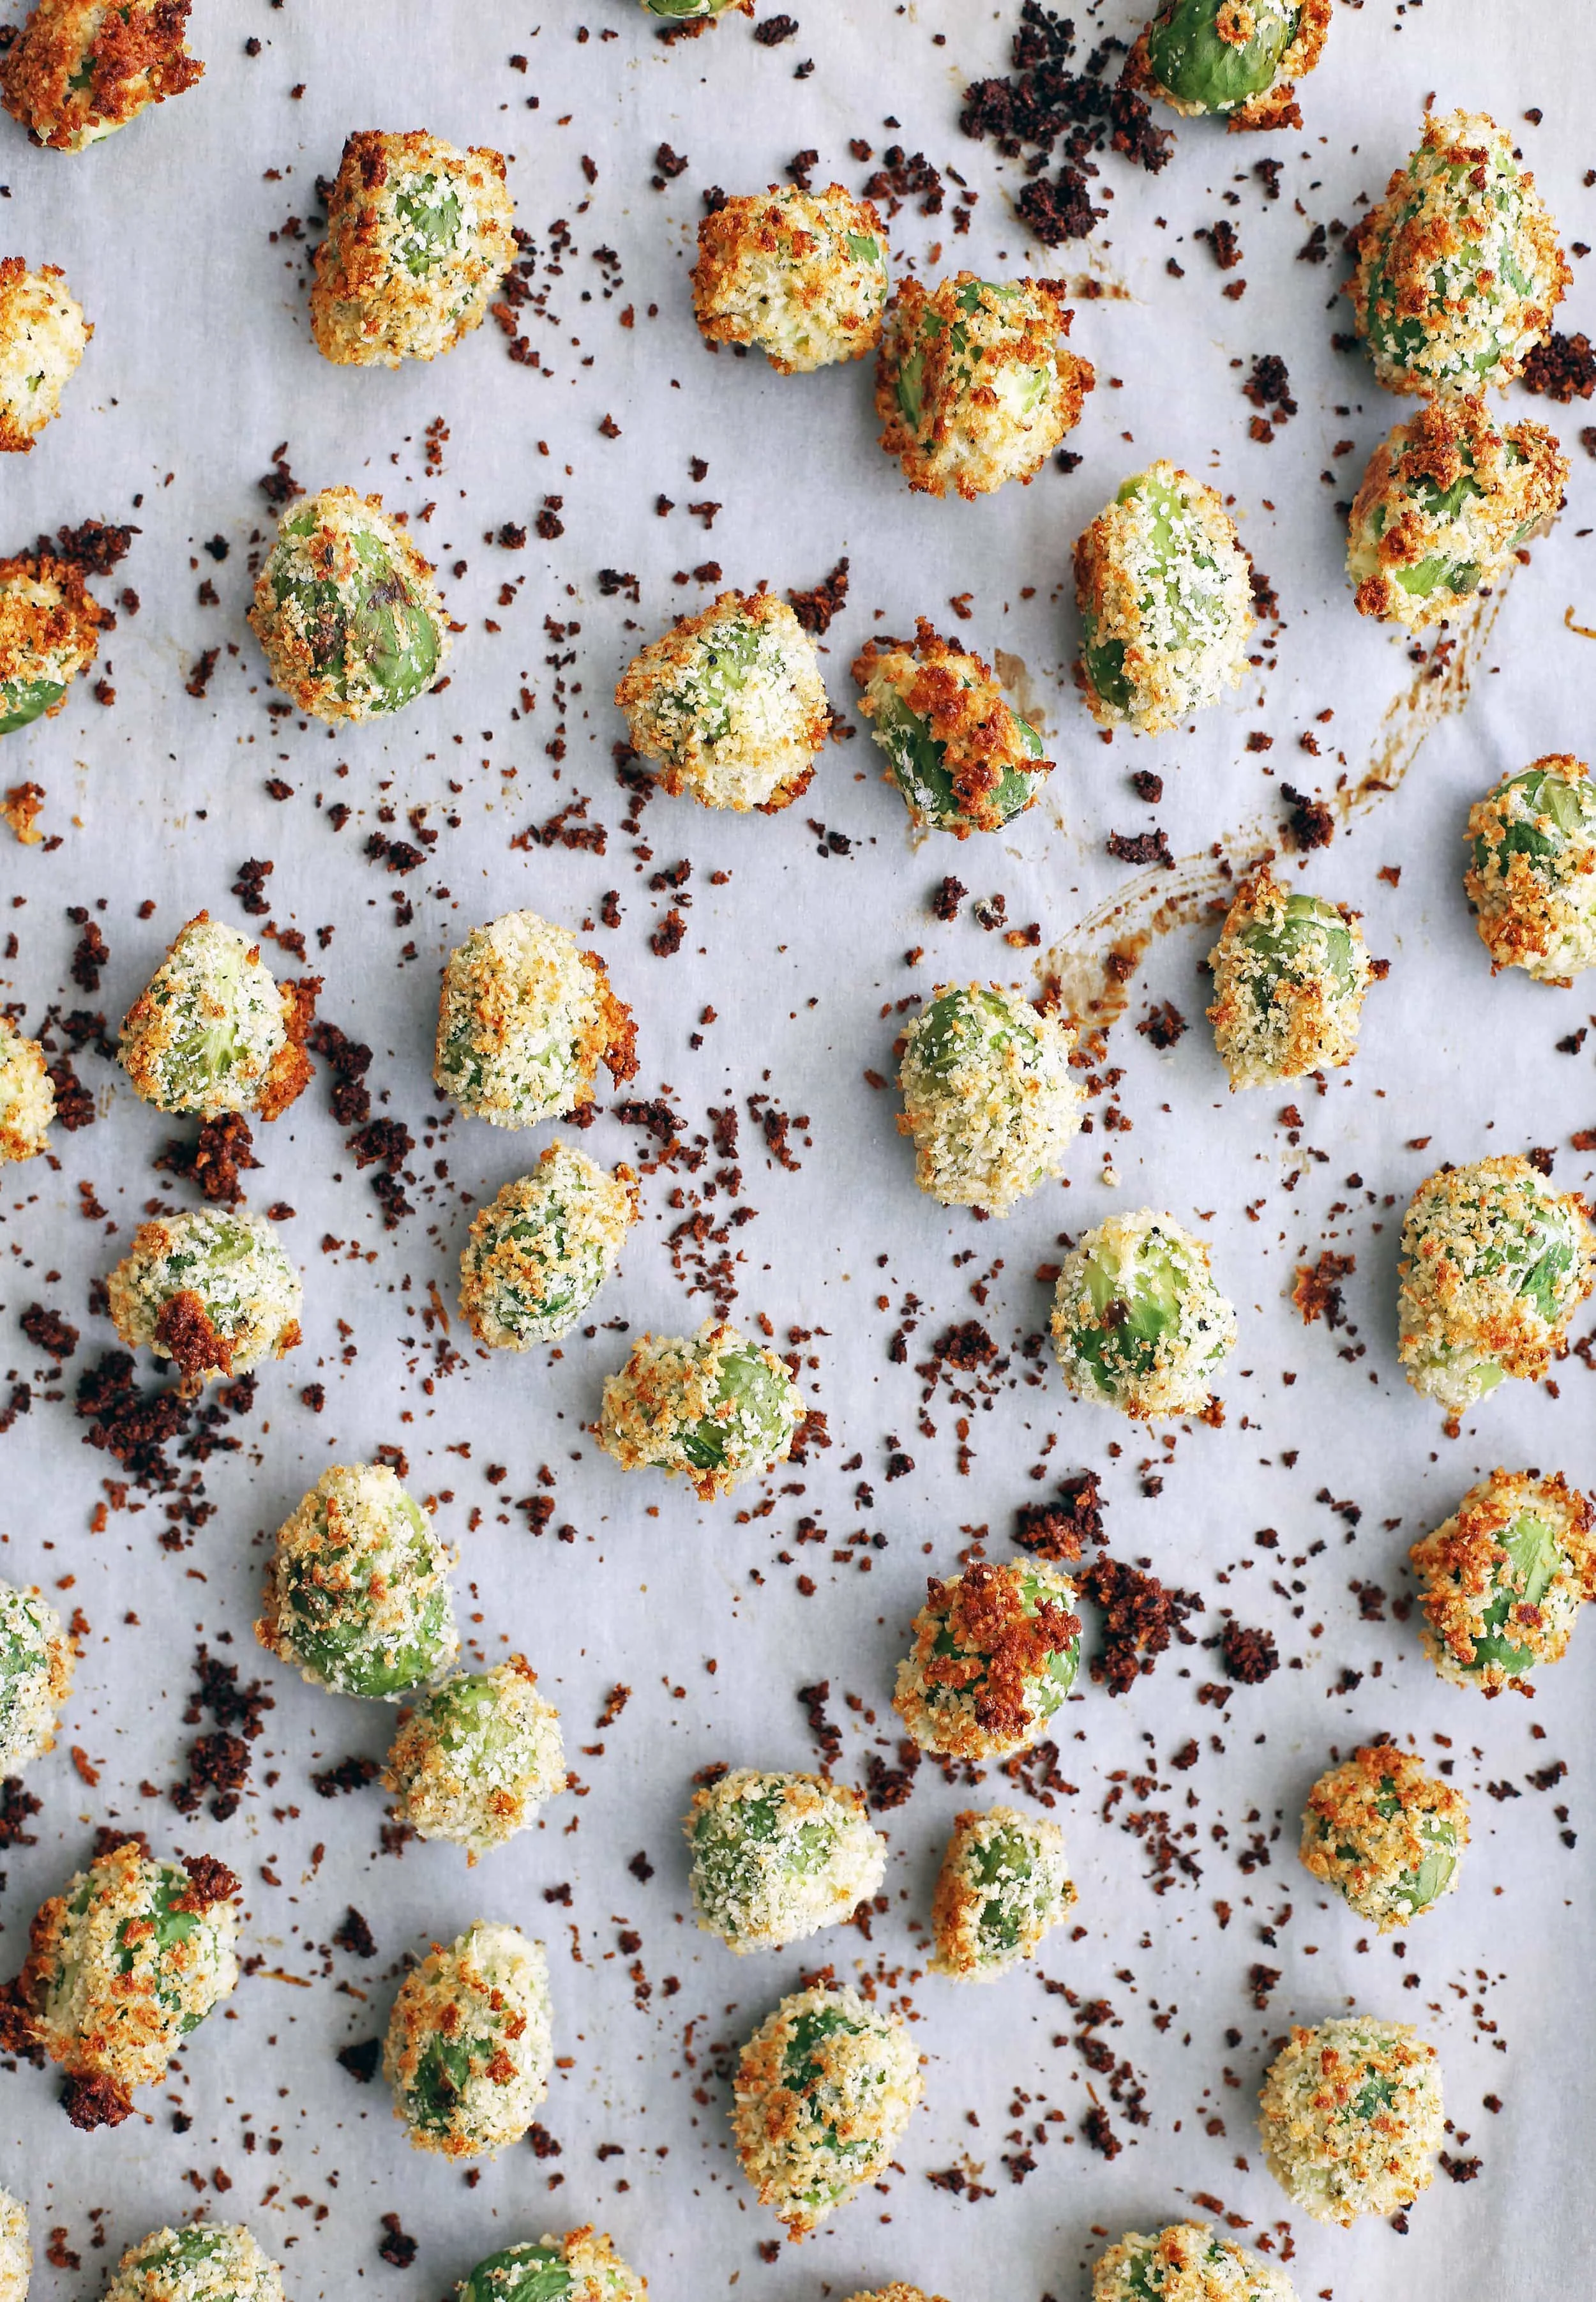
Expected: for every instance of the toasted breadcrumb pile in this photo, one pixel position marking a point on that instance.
(203, 2262)
(346, 610)
(775, 1857)
(525, 1019)
(590, 2263)
(37, 1662)
(356, 1594)
(477, 1756)
(802, 276)
(43, 333)
(418, 237)
(963, 758)
(1502, 1580)
(730, 704)
(213, 1030)
(27, 1096)
(1290, 975)
(1532, 873)
(1385, 1834)
(49, 628)
(536, 1258)
(716, 1406)
(1186, 2262)
(1004, 1883)
(81, 69)
(994, 1655)
(469, 2048)
(1351, 2118)
(212, 1292)
(988, 1096)
(1137, 1321)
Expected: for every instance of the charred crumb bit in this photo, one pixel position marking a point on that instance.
(1055, 212)
(48, 1331)
(1262, 1982)
(1058, 1530)
(901, 177)
(1268, 173)
(133, 1426)
(17, 1803)
(775, 29)
(1100, 2133)
(94, 546)
(641, 1867)
(1147, 786)
(1310, 823)
(815, 608)
(1266, 603)
(91, 953)
(946, 898)
(354, 1935)
(1257, 741)
(1224, 241)
(1461, 2170)
(1163, 1026)
(1140, 1617)
(210, 1882)
(348, 1774)
(827, 1736)
(992, 912)
(548, 523)
(361, 2060)
(279, 485)
(1563, 368)
(1140, 847)
(1317, 1291)
(20, 1402)
(1249, 1656)
(615, 1702)
(1186, 1756)
(714, 198)
(249, 885)
(223, 1150)
(1068, 459)
(94, 2100)
(888, 1787)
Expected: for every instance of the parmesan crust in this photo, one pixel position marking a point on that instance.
(897, 2292)
(470, 2049)
(477, 1756)
(1502, 1580)
(357, 1595)
(988, 1097)
(1531, 874)
(346, 610)
(715, 1407)
(730, 704)
(418, 237)
(802, 276)
(214, 1293)
(994, 1656)
(213, 1030)
(203, 2262)
(525, 1019)
(1385, 1834)
(1186, 2262)
(1351, 2118)
(81, 69)
(27, 1096)
(37, 1663)
(1137, 1322)
(1004, 1883)
(16, 2249)
(595, 2270)
(49, 628)
(43, 333)
(962, 759)
(1290, 975)
(776, 1857)
(536, 1258)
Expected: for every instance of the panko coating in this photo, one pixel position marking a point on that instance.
(822, 2091)
(212, 1292)
(357, 1596)
(1351, 2118)
(716, 1407)
(477, 1756)
(16, 2249)
(43, 333)
(346, 610)
(687, 12)
(27, 1095)
(1501, 1582)
(203, 2262)
(213, 1030)
(37, 1662)
(1458, 268)
(898, 2292)
(1241, 58)
(988, 1096)
(1388, 1837)
(79, 70)
(775, 1857)
(1290, 975)
(49, 632)
(1494, 1265)
(418, 237)
(470, 2049)
(730, 704)
(994, 1654)
(972, 385)
(1445, 503)
(536, 1258)
(1003, 1884)
(1531, 874)
(525, 1019)
(802, 276)
(1185, 2263)
(963, 758)
(1137, 1322)
(582, 2266)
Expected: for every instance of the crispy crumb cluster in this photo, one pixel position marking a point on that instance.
(1165, 591)
(42, 337)
(1532, 872)
(27, 1096)
(988, 1097)
(37, 1662)
(1186, 2262)
(213, 1030)
(418, 237)
(994, 1654)
(1290, 975)
(731, 704)
(525, 1019)
(1501, 1582)
(802, 276)
(1458, 268)
(214, 1293)
(80, 70)
(972, 385)
(1241, 58)
(1385, 1834)
(49, 632)
(203, 2262)
(716, 1406)
(357, 1595)
(469, 2047)
(822, 2091)
(964, 760)
(16, 2249)
(1445, 503)
(1003, 1884)
(775, 1857)
(477, 1756)
(1494, 1265)
(582, 2266)
(1351, 2118)
(346, 610)
(536, 1258)
(1137, 1322)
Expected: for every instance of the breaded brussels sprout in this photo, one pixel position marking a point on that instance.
(775, 1857)
(1290, 975)
(1501, 1581)
(27, 1096)
(1385, 1834)
(1458, 268)
(1186, 2262)
(1165, 591)
(524, 1021)
(1003, 1884)
(213, 1030)
(681, 11)
(42, 335)
(1494, 1265)
(972, 384)
(994, 1654)
(16, 2249)
(346, 610)
(716, 1406)
(418, 237)
(988, 1097)
(963, 758)
(1241, 58)
(536, 1258)
(49, 628)
(1531, 874)
(1445, 503)
(470, 2049)
(822, 2091)
(1351, 2118)
(357, 1596)
(898, 2292)
(203, 2262)
(476, 1757)
(37, 1662)
(731, 704)
(122, 1964)
(80, 70)
(214, 1293)
(1137, 1322)
(802, 276)
(579, 2267)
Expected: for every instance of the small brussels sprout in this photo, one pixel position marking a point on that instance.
(1238, 57)
(802, 276)
(1186, 2262)
(523, 1022)
(357, 1595)
(205, 2262)
(776, 1857)
(37, 1662)
(1501, 1582)
(972, 385)
(1445, 503)
(27, 1096)
(1385, 1834)
(822, 2091)
(1165, 592)
(730, 704)
(1458, 268)
(346, 610)
(1003, 1884)
(963, 758)
(994, 1653)
(214, 1293)
(16, 2249)
(1137, 1322)
(1532, 873)
(213, 1030)
(477, 1756)
(1290, 975)
(537, 1257)
(49, 628)
(579, 2267)
(1494, 1265)
(468, 2048)
(78, 71)
(988, 1097)
(1351, 2118)
(42, 338)
(419, 236)
(715, 1407)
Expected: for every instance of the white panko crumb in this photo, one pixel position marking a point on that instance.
(213, 1030)
(973, 386)
(1004, 1882)
(486, 1995)
(1137, 1322)
(81, 69)
(214, 1293)
(715, 1407)
(536, 1258)
(203, 2262)
(802, 276)
(1385, 1834)
(43, 333)
(1351, 2118)
(775, 1857)
(589, 2261)
(49, 632)
(1502, 1580)
(1290, 975)
(347, 613)
(525, 1019)
(477, 1756)
(897, 2292)
(37, 1662)
(1532, 873)
(822, 2091)
(27, 1096)
(16, 2249)
(1186, 2262)
(1165, 591)
(994, 1656)
(419, 235)
(730, 704)
(989, 1098)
